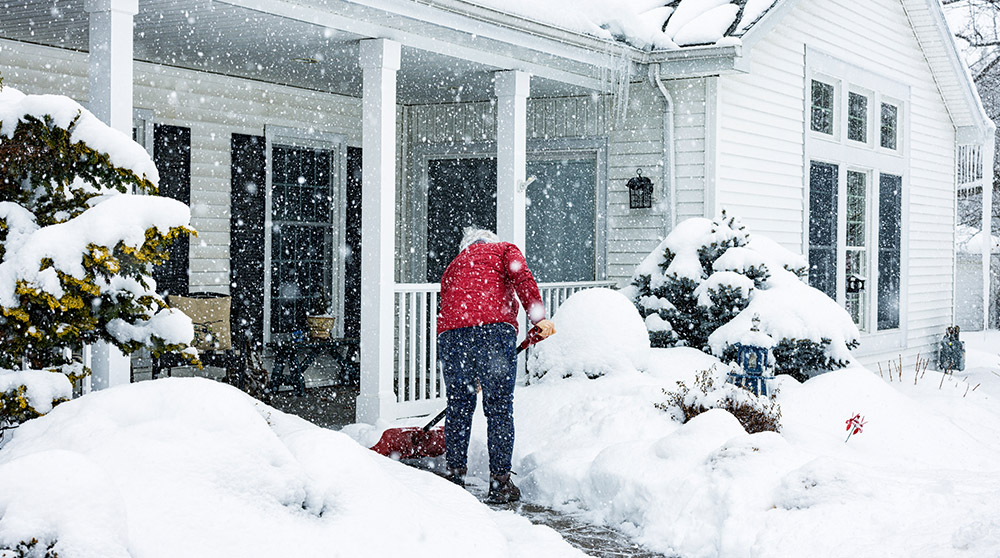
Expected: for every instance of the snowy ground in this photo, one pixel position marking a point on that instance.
(191, 467)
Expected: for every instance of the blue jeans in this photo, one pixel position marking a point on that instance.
(484, 353)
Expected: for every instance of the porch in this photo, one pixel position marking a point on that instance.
(444, 114)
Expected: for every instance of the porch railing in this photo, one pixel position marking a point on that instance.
(418, 383)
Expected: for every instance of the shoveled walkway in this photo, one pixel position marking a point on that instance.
(333, 407)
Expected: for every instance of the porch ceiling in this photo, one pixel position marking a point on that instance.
(295, 49)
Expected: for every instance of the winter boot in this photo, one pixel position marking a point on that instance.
(502, 490)
(456, 476)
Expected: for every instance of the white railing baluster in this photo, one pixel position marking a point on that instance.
(401, 344)
(436, 380)
(411, 372)
(422, 353)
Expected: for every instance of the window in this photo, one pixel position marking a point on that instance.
(305, 215)
(822, 107)
(889, 250)
(856, 261)
(855, 183)
(889, 125)
(561, 217)
(857, 117)
(301, 235)
(823, 227)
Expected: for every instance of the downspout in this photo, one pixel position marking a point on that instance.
(669, 187)
(988, 147)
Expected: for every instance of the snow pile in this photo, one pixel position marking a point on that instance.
(125, 153)
(708, 489)
(598, 332)
(642, 23)
(195, 468)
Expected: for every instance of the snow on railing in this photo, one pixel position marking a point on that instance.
(418, 382)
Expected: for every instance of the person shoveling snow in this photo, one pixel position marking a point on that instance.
(477, 328)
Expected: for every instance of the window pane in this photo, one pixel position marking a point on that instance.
(822, 107)
(889, 249)
(889, 126)
(823, 227)
(461, 193)
(562, 220)
(857, 118)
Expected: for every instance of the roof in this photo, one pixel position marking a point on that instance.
(645, 24)
(672, 27)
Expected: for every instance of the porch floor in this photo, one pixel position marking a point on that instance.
(329, 406)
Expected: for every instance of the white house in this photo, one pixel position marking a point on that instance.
(308, 133)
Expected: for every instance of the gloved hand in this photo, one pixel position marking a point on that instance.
(545, 328)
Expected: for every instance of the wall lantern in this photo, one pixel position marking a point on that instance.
(855, 283)
(640, 191)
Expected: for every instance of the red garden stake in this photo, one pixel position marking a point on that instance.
(854, 425)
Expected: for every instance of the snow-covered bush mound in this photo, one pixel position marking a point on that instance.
(194, 468)
(711, 285)
(598, 331)
(26, 394)
(711, 390)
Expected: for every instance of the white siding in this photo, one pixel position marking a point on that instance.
(760, 147)
(636, 141)
(214, 107)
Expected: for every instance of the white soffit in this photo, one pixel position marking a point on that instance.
(229, 39)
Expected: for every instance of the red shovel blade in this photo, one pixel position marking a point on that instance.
(410, 442)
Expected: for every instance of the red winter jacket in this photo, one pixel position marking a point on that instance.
(479, 285)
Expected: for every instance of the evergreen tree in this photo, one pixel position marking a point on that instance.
(706, 273)
(54, 187)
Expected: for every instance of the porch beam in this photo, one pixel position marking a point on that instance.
(582, 68)
(512, 89)
(379, 60)
(110, 98)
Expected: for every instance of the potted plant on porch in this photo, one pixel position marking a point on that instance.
(320, 320)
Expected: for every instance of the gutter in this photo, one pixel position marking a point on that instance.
(669, 186)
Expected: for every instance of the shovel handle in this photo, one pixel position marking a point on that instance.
(530, 339)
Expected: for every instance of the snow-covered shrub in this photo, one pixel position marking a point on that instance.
(598, 332)
(27, 394)
(76, 249)
(756, 413)
(704, 284)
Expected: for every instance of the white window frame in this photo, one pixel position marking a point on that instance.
(142, 121)
(872, 159)
(335, 143)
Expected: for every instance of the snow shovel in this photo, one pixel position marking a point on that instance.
(412, 442)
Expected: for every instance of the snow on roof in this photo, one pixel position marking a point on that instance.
(658, 24)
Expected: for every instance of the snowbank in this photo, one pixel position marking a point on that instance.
(920, 480)
(195, 468)
(598, 332)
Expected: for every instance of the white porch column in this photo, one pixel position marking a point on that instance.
(111, 61)
(379, 60)
(111, 101)
(989, 153)
(512, 88)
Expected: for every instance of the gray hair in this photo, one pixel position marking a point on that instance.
(472, 235)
